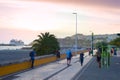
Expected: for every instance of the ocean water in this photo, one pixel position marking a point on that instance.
(10, 47)
(9, 54)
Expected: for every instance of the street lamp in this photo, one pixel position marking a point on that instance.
(92, 38)
(76, 33)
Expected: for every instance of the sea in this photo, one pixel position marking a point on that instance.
(10, 47)
(10, 54)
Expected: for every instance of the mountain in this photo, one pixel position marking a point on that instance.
(85, 40)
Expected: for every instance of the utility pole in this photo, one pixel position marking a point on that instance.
(76, 34)
(92, 42)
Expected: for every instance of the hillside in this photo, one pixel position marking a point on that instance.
(85, 40)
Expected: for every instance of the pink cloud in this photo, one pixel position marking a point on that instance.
(107, 3)
(26, 35)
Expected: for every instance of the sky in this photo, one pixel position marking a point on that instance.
(25, 19)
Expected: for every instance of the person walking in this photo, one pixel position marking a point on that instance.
(32, 56)
(57, 55)
(115, 51)
(68, 56)
(81, 58)
(98, 54)
(89, 50)
(112, 51)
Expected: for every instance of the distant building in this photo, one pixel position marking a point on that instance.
(16, 42)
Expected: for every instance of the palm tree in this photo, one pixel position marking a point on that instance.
(115, 42)
(45, 44)
(102, 45)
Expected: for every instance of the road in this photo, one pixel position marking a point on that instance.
(93, 72)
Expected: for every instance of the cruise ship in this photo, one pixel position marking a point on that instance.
(16, 42)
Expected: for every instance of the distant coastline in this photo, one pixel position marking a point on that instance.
(14, 47)
(7, 45)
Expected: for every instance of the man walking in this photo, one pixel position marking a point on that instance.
(32, 56)
(68, 56)
(57, 56)
(81, 58)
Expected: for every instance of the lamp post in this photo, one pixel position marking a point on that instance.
(92, 38)
(76, 33)
(92, 42)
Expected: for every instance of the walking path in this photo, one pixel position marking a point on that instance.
(93, 72)
(53, 71)
(59, 71)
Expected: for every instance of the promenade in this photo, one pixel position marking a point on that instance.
(59, 71)
(92, 72)
(53, 71)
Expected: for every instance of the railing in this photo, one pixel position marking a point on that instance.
(16, 67)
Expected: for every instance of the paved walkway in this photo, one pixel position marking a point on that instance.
(59, 71)
(53, 71)
(92, 72)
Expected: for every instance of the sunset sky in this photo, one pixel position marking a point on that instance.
(25, 19)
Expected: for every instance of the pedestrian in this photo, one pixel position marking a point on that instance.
(112, 51)
(57, 55)
(98, 54)
(32, 56)
(115, 51)
(89, 51)
(81, 58)
(68, 56)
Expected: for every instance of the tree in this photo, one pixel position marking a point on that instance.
(115, 42)
(45, 44)
(102, 45)
(118, 34)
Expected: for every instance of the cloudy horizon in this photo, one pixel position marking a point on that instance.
(22, 18)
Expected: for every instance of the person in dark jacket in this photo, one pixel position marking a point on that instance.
(32, 56)
(57, 56)
(115, 51)
(81, 58)
(98, 54)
